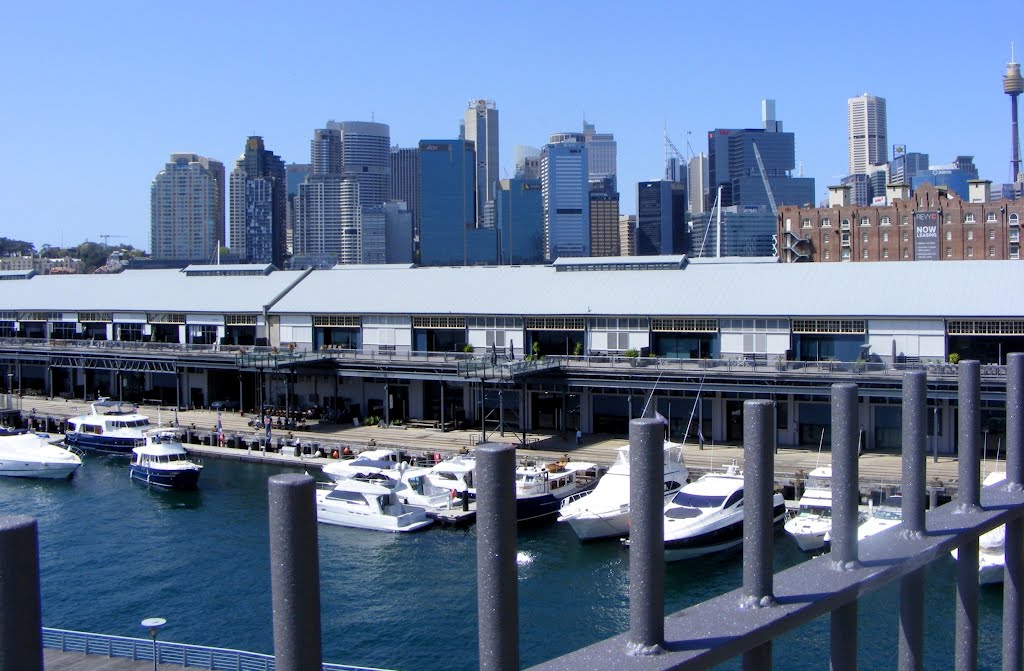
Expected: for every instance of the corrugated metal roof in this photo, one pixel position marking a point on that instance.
(146, 291)
(898, 289)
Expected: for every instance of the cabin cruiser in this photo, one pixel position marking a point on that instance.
(540, 488)
(416, 486)
(886, 515)
(707, 515)
(603, 512)
(456, 474)
(33, 455)
(367, 503)
(162, 462)
(111, 427)
(991, 545)
(368, 461)
(814, 516)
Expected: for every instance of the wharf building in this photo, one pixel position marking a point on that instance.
(259, 205)
(187, 209)
(577, 344)
(933, 224)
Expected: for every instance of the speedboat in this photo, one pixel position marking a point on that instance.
(991, 545)
(888, 514)
(367, 503)
(32, 455)
(111, 427)
(540, 488)
(368, 461)
(603, 512)
(814, 516)
(707, 515)
(162, 462)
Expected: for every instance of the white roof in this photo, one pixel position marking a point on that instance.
(898, 289)
(146, 291)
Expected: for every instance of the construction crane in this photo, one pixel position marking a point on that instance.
(764, 178)
(672, 153)
(106, 238)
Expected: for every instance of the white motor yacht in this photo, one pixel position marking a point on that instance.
(111, 427)
(603, 512)
(540, 488)
(415, 486)
(456, 474)
(888, 514)
(368, 504)
(366, 462)
(814, 516)
(991, 545)
(163, 462)
(707, 515)
(32, 455)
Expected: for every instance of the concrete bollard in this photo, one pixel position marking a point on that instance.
(845, 495)
(295, 573)
(758, 516)
(21, 635)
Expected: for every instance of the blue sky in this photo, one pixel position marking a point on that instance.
(97, 95)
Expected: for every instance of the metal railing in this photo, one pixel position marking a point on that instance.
(166, 652)
(746, 621)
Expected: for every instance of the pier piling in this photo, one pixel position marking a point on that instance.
(968, 500)
(21, 637)
(914, 436)
(1013, 608)
(759, 516)
(646, 535)
(845, 495)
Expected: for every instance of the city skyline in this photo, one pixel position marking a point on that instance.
(112, 79)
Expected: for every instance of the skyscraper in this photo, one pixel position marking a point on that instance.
(601, 156)
(447, 201)
(604, 222)
(566, 196)
(697, 183)
(325, 151)
(527, 162)
(366, 158)
(258, 208)
(520, 220)
(405, 181)
(481, 128)
(661, 218)
(296, 174)
(328, 218)
(187, 208)
(867, 133)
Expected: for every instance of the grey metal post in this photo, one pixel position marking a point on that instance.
(646, 536)
(759, 517)
(845, 494)
(295, 573)
(969, 419)
(915, 437)
(968, 500)
(1013, 582)
(21, 627)
(496, 576)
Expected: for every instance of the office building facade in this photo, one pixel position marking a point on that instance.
(661, 218)
(259, 207)
(447, 201)
(520, 221)
(481, 128)
(867, 134)
(187, 209)
(566, 197)
(405, 181)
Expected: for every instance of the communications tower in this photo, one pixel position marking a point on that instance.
(1013, 85)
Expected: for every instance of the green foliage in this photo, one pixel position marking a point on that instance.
(535, 348)
(468, 348)
(632, 352)
(9, 246)
(577, 349)
(954, 358)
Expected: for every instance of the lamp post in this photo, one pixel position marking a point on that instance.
(154, 624)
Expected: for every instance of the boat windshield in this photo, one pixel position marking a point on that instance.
(817, 511)
(888, 514)
(819, 483)
(698, 500)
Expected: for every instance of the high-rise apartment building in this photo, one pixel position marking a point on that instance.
(405, 181)
(325, 151)
(604, 222)
(867, 133)
(661, 218)
(627, 235)
(258, 207)
(187, 208)
(565, 194)
(481, 128)
(366, 158)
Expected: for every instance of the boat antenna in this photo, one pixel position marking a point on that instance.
(686, 433)
(650, 397)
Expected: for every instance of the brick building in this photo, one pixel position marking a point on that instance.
(933, 223)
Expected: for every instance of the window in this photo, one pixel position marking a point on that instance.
(884, 222)
(949, 235)
(991, 250)
(970, 252)
(846, 254)
(864, 253)
(970, 235)
(826, 255)
(906, 236)
(825, 239)
(1014, 219)
(789, 223)
(845, 238)
(864, 239)
(885, 237)
(991, 234)
(806, 223)
(949, 218)
(885, 252)
(905, 221)
(949, 252)
(845, 225)
(906, 253)
(865, 221)
(826, 222)
(969, 218)
(990, 217)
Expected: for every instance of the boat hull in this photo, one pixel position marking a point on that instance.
(595, 527)
(724, 537)
(544, 507)
(177, 479)
(103, 444)
(373, 522)
(57, 471)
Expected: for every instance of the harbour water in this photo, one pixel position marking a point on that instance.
(113, 552)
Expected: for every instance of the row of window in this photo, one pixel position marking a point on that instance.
(969, 218)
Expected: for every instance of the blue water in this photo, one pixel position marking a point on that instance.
(113, 552)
